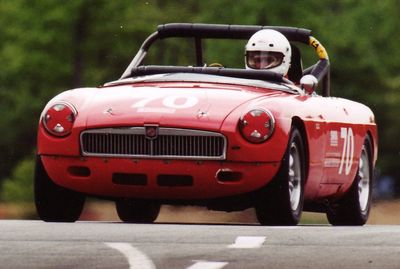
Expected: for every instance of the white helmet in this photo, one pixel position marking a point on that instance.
(268, 49)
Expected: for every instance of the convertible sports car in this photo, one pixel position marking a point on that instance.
(224, 138)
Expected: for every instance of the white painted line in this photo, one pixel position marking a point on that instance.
(136, 259)
(248, 242)
(207, 265)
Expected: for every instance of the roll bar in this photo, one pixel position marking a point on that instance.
(227, 31)
(200, 31)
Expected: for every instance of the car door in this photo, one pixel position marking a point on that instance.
(342, 137)
(331, 136)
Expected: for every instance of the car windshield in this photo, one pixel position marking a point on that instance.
(189, 77)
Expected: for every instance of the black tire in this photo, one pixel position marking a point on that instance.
(281, 201)
(353, 209)
(53, 202)
(137, 211)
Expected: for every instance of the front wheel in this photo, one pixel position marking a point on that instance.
(281, 202)
(137, 211)
(53, 202)
(354, 207)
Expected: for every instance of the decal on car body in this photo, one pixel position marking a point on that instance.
(348, 149)
(169, 102)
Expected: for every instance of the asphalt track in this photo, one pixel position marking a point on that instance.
(36, 244)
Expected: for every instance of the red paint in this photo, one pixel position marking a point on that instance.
(216, 108)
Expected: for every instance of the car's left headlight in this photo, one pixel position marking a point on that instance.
(257, 125)
(59, 119)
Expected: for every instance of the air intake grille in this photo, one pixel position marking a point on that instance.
(169, 143)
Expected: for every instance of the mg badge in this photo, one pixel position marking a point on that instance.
(151, 132)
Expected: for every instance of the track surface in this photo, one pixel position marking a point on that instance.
(36, 244)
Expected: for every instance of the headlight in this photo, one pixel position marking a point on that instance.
(257, 125)
(59, 119)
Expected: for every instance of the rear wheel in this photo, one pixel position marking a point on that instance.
(137, 211)
(53, 202)
(354, 207)
(281, 202)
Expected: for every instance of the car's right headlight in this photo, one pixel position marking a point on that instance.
(257, 125)
(58, 120)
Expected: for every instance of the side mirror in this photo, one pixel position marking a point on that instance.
(309, 83)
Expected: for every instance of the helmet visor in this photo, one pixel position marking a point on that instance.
(263, 59)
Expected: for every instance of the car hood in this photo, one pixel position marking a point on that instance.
(184, 107)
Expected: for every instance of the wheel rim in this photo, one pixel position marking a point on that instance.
(294, 176)
(364, 180)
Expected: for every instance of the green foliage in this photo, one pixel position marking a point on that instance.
(19, 187)
(47, 47)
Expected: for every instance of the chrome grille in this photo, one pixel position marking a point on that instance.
(170, 143)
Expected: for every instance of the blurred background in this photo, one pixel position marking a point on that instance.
(48, 46)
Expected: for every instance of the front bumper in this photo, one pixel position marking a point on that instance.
(158, 179)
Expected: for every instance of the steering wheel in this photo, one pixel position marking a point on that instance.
(216, 65)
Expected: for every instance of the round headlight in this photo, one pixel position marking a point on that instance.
(59, 119)
(257, 125)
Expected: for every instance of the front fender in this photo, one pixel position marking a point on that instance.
(239, 149)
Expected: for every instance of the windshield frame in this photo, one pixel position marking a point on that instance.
(207, 78)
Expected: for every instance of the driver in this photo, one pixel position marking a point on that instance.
(268, 49)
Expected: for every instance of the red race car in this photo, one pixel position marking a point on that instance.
(208, 135)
